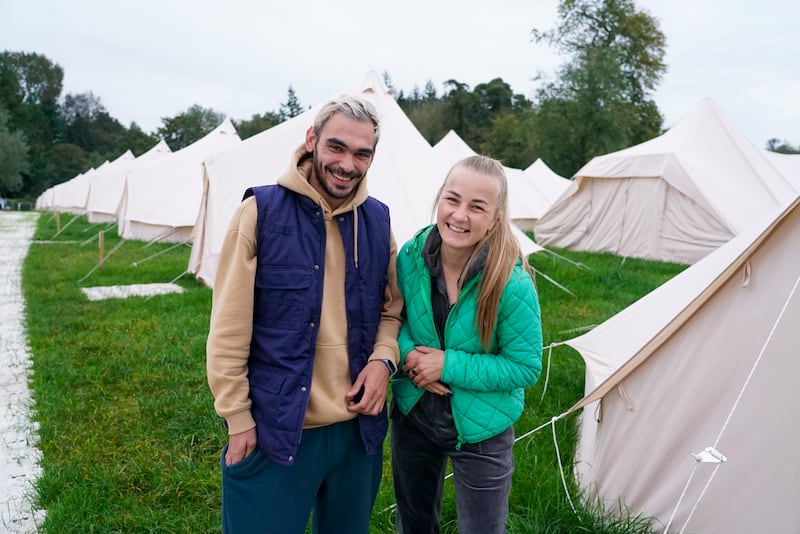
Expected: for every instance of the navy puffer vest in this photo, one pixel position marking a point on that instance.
(287, 306)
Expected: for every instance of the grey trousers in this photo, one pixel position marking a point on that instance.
(481, 471)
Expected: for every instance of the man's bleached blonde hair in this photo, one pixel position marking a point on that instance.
(350, 106)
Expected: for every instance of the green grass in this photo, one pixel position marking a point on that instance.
(129, 438)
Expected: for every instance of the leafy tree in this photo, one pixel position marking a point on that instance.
(257, 124)
(494, 97)
(425, 110)
(11, 95)
(776, 145)
(428, 117)
(67, 160)
(460, 111)
(185, 128)
(40, 80)
(30, 85)
(472, 113)
(511, 137)
(13, 157)
(137, 140)
(430, 92)
(388, 81)
(88, 125)
(601, 100)
(291, 108)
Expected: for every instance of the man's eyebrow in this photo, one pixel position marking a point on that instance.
(338, 142)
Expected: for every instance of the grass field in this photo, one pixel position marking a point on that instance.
(129, 438)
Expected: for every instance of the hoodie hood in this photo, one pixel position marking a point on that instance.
(295, 178)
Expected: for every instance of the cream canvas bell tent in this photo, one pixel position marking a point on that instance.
(73, 196)
(548, 183)
(162, 198)
(691, 392)
(105, 191)
(405, 174)
(674, 198)
(45, 200)
(70, 196)
(53, 197)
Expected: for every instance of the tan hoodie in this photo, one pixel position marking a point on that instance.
(228, 345)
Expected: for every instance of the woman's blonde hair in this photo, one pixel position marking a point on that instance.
(502, 247)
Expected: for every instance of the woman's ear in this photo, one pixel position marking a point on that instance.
(494, 223)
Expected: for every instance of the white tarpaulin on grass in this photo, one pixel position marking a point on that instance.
(131, 290)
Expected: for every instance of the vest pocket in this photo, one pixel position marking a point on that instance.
(282, 297)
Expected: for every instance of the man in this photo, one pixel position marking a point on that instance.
(303, 337)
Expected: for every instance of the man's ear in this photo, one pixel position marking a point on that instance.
(311, 139)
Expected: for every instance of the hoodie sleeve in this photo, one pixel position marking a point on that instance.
(386, 338)
(231, 327)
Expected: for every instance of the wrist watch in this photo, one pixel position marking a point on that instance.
(390, 366)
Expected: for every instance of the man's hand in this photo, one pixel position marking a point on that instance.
(368, 394)
(240, 446)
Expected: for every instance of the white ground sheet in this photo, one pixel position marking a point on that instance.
(19, 455)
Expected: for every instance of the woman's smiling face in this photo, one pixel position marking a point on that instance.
(467, 208)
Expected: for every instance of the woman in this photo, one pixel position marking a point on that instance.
(470, 344)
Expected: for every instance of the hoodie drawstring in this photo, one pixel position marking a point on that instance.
(328, 215)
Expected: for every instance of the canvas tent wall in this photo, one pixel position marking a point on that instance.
(788, 165)
(674, 198)
(45, 200)
(527, 200)
(405, 174)
(105, 191)
(708, 359)
(69, 196)
(162, 198)
(548, 184)
(49, 199)
(73, 195)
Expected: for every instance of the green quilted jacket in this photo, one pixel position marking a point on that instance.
(488, 388)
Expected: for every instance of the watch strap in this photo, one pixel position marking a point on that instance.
(390, 366)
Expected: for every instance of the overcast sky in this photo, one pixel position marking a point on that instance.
(149, 59)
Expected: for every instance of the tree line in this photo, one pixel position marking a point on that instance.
(599, 100)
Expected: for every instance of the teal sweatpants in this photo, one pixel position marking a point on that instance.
(333, 477)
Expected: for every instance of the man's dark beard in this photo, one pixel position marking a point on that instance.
(333, 192)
